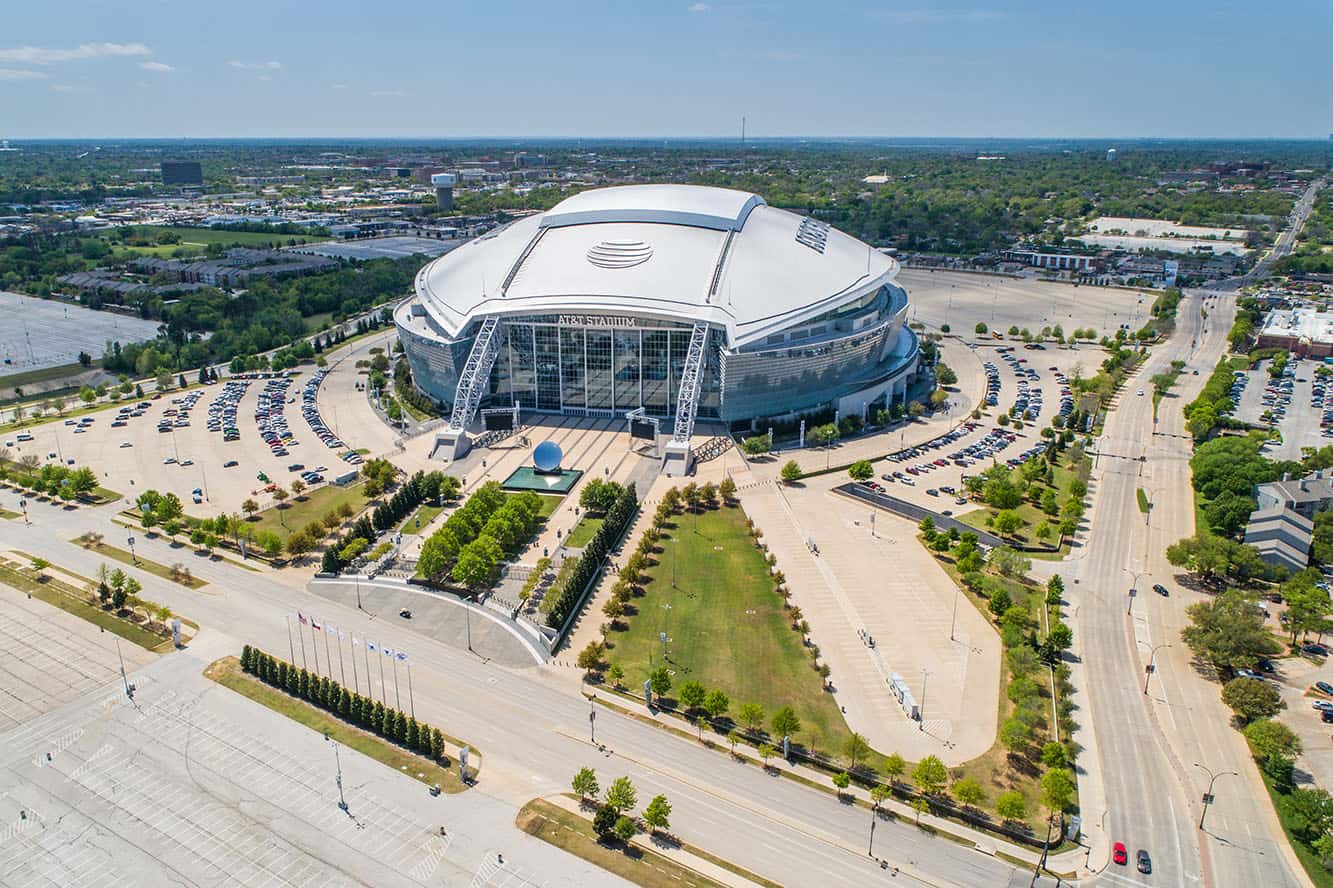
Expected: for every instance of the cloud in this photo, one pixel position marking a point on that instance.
(380, 93)
(934, 16)
(17, 74)
(699, 7)
(255, 66)
(156, 66)
(47, 55)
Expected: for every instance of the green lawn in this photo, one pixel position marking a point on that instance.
(227, 672)
(570, 832)
(312, 506)
(584, 531)
(152, 567)
(549, 504)
(1032, 515)
(728, 628)
(426, 513)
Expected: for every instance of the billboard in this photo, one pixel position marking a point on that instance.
(642, 428)
(500, 421)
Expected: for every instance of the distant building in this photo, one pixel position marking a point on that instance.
(1054, 261)
(240, 265)
(443, 184)
(1110, 155)
(182, 172)
(524, 159)
(1302, 331)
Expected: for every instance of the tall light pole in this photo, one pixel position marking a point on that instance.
(342, 802)
(666, 627)
(954, 621)
(1208, 796)
(1133, 588)
(1152, 665)
(921, 725)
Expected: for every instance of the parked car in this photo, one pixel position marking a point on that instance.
(1119, 854)
(1144, 861)
(1324, 687)
(1161, 590)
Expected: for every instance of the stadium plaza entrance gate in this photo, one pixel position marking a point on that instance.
(453, 442)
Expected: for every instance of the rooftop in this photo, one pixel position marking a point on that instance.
(1300, 323)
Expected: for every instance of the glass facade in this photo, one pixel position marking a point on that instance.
(621, 364)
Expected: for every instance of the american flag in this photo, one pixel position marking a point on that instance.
(300, 616)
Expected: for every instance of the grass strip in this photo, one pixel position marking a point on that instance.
(227, 672)
(50, 593)
(161, 570)
(584, 531)
(1316, 870)
(570, 832)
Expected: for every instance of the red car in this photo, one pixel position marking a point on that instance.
(1119, 854)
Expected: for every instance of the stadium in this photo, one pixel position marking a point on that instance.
(673, 302)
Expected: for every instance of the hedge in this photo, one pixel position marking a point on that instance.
(353, 708)
(618, 518)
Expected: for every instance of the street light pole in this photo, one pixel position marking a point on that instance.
(1208, 796)
(921, 725)
(1152, 661)
(666, 628)
(342, 802)
(592, 720)
(953, 622)
(1133, 589)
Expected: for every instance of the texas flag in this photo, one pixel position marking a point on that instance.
(314, 624)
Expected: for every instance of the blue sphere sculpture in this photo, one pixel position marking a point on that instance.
(546, 458)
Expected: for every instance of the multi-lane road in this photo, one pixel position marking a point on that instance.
(1149, 753)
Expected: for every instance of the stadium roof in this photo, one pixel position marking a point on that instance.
(673, 251)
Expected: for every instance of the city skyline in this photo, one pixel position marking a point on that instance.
(854, 69)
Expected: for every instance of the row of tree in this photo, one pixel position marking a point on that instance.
(568, 597)
(615, 813)
(353, 708)
(53, 479)
(472, 542)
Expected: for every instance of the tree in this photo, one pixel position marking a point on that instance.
(751, 715)
(604, 821)
(920, 806)
(1308, 606)
(1055, 588)
(944, 374)
(790, 472)
(39, 565)
(590, 658)
(1308, 812)
(894, 766)
(298, 487)
(842, 780)
(786, 723)
(861, 470)
(999, 602)
(969, 792)
(981, 328)
(621, 795)
(1229, 631)
(727, 490)
(766, 752)
(1252, 698)
(716, 703)
(585, 783)
(659, 680)
(1009, 562)
(1015, 735)
(930, 775)
(617, 675)
(1011, 805)
(1057, 789)
(692, 695)
(1008, 522)
(625, 828)
(855, 749)
(658, 813)
(1053, 755)
(1269, 739)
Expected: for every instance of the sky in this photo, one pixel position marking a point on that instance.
(664, 68)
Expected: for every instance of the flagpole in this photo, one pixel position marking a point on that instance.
(328, 658)
(370, 685)
(410, 701)
(396, 699)
(356, 681)
(383, 696)
(314, 644)
(342, 671)
(301, 636)
(290, 647)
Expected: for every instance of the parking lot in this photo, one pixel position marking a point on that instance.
(192, 784)
(211, 444)
(1034, 382)
(962, 299)
(37, 333)
(1299, 404)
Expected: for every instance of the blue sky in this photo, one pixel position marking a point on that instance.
(186, 68)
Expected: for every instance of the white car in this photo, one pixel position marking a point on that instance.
(1140, 393)
(166, 461)
(126, 444)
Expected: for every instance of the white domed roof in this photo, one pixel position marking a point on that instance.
(681, 252)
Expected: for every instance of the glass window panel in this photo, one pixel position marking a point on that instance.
(572, 368)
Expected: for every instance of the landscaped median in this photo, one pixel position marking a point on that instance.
(177, 573)
(120, 611)
(383, 733)
(558, 825)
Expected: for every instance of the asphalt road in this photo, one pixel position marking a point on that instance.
(1144, 787)
(535, 735)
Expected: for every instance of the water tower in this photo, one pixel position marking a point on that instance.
(444, 189)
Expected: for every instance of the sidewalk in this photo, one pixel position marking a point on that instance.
(1071, 861)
